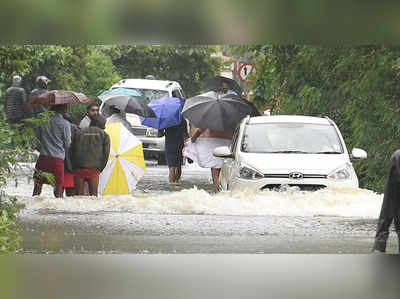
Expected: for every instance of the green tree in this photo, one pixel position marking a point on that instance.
(189, 65)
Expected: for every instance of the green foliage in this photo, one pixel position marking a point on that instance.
(14, 147)
(358, 87)
(9, 237)
(189, 65)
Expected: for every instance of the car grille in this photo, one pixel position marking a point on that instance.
(139, 131)
(302, 187)
(286, 176)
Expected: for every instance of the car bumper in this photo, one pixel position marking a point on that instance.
(154, 145)
(308, 184)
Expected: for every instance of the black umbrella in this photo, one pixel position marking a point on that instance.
(129, 104)
(254, 111)
(214, 84)
(212, 111)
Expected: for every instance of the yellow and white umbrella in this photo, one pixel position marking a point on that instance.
(125, 164)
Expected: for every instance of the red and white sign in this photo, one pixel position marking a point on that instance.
(245, 69)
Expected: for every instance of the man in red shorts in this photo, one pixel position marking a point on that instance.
(54, 138)
(90, 151)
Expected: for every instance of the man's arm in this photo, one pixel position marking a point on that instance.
(185, 129)
(106, 150)
(161, 133)
(67, 135)
(197, 134)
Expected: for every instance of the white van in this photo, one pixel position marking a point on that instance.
(153, 146)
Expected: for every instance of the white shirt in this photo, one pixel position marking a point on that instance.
(85, 122)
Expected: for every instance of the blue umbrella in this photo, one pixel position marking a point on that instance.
(119, 91)
(168, 113)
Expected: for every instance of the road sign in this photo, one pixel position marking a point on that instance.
(245, 69)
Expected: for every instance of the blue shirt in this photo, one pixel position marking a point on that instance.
(54, 137)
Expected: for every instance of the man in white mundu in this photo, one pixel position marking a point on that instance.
(201, 150)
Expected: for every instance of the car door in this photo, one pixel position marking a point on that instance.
(227, 170)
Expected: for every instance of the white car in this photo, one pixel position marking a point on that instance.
(268, 152)
(153, 146)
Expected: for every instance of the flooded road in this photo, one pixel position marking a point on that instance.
(188, 218)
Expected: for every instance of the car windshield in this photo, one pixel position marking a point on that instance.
(152, 94)
(291, 138)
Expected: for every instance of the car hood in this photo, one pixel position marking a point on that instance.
(286, 163)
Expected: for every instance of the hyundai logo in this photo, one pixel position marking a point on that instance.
(295, 176)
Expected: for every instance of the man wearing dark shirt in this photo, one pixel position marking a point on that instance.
(174, 141)
(15, 102)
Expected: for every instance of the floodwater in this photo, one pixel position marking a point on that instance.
(189, 218)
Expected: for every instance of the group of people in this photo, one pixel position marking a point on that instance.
(16, 101)
(72, 155)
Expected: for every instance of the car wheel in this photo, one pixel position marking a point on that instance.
(161, 160)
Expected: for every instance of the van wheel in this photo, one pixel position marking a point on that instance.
(161, 160)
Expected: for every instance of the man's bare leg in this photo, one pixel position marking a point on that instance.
(78, 186)
(59, 191)
(178, 173)
(86, 187)
(37, 189)
(172, 175)
(70, 191)
(215, 176)
(93, 186)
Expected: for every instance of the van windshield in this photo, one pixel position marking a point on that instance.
(291, 138)
(152, 94)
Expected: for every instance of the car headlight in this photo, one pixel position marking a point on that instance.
(342, 173)
(151, 132)
(249, 173)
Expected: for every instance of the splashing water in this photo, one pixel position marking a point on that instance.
(328, 202)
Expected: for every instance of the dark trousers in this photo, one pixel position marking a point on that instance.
(391, 205)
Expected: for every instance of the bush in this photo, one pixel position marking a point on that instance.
(10, 239)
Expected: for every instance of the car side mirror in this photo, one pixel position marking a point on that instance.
(358, 154)
(222, 152)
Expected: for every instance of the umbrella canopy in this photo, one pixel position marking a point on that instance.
(129, 104)
(214, 84)
(253, 110)
(211, 111)
(119, 91)
(168, 113)
(125, 164)
(58, 97)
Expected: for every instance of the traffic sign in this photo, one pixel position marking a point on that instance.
(245, 69)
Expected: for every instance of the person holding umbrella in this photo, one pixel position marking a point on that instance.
(55, 139)
(225, 88)
(42, 83)
(90, 151)
(217, 138)
(174, 142)
(222, 85)
(169, 122)
(216, 116)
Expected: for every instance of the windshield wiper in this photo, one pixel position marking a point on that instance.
(328, 153)
(289, 152)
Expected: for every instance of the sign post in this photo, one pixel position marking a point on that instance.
(245, 69)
